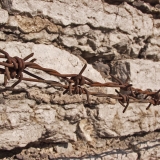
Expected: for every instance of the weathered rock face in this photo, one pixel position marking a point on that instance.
(113, 38)
(144, 74)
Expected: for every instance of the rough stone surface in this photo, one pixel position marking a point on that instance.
(101, 31)
(21, 136)
(118, 124)
(143, 74)
(4, 16)
(119, 37)
(55, 58)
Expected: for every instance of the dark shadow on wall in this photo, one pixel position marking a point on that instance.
(130, 148)
(117, 2)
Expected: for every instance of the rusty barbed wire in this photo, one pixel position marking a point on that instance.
(14, 67)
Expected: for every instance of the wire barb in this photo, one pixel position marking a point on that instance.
(14, 67)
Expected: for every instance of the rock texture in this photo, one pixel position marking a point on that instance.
(119, 37)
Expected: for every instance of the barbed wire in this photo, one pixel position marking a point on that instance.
(14, 67)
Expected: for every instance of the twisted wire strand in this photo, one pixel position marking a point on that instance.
(14, 67)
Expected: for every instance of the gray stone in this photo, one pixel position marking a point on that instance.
(85, 130)
(113, 26)
(135, 50)
(32, 150)
(76, 113)
(96, 34)
(103, 68)
(68, 31)
(113, 55)
(123, 47)
(92, 44)
(156, 27)
(15, 113)
(25, 157)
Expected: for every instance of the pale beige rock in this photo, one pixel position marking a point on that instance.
(100, 32)
(72, 112)
(20, 137)
(152, 51)
(119, 19)
(3, 16)
(38, 95)
(86, 129)
(69, 41)
(2, 36)
(143, 74)
(156, 27)
(57, 59)
(16, 113)
(112, 122)
(61, 131)
(44, 114)
(64, 148)
(24, 118)
(55, 10)
(81, 30)
(41, 37)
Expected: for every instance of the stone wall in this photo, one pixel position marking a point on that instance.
(112, 37)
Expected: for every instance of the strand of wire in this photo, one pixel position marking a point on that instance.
(15, 66)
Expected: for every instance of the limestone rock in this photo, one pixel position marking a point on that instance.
(74, 113)
(152, 52)
(64, 148)
(3, 16)
(86, 129)
(91, 10)
(41, 37)
(116, 37)
(20, 137)
(156, 27)
(69, 41)
(143, 74)
(2, 36)
(62, 59)
(60, 131)
(83, 32)
(112, 122)
(44, 114)
(15, 114)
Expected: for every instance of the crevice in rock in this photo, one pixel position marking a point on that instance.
(146, 6)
